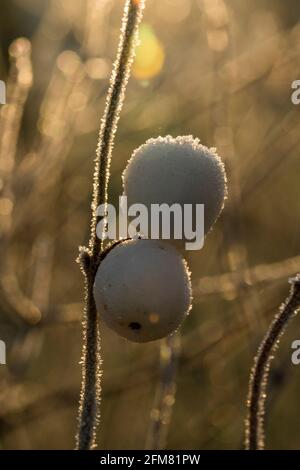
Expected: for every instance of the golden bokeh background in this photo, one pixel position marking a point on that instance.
(218, 69)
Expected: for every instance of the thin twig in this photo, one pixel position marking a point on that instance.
(255, 438)
(252, 276)
(90, 258)
(114, 102)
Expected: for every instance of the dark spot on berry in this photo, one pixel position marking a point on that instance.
(135, 325)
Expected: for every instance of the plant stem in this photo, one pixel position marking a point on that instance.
(132, 16)
(255, 438)
(90, 258)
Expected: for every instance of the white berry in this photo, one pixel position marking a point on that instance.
(142, 290)
(176, 170)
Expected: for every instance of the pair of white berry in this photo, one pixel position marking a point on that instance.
(142, 287)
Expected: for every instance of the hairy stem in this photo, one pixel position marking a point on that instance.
(255, 438)
(90, 258)
(161, 413)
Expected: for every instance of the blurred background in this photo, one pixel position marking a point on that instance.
(220, 70)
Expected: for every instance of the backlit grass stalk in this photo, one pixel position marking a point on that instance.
(161, 414)
(90, 258)
(255, 438)
(18, 87)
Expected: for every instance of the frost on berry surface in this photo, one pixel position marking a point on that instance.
(177, 170)
(142, 290)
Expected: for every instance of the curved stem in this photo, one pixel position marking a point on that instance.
(115, 97)
(161, 413)
(255, 438)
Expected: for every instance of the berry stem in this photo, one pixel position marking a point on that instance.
(90, 258)
(255, 438)
(161, 414)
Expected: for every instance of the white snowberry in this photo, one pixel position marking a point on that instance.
(142, 290)
(176, 170)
